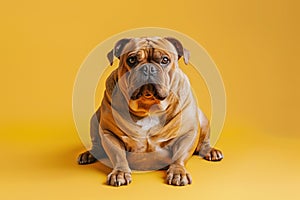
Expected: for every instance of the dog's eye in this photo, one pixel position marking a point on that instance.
(131, 61)
(165, 60)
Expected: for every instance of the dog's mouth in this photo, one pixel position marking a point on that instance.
(149, 91)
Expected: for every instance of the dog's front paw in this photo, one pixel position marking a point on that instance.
(177, 175)
(118, 178)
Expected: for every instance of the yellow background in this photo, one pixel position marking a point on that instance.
(255, 44)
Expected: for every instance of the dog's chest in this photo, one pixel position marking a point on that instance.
(148, 123)
(146, 139)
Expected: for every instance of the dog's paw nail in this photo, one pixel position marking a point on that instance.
(128, 182)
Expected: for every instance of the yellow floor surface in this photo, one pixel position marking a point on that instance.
(256, 166)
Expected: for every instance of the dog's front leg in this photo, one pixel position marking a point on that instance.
(182, 150)
(121, 173)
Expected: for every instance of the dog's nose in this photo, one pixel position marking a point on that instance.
(149, 69)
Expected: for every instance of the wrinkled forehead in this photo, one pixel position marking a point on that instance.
(146, 43)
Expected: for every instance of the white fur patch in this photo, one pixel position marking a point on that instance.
(148, 122)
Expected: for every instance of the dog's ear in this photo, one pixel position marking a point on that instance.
(117, 50)
(182, 52)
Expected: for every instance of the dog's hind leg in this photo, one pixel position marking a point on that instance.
(204, 148)
(97, 152)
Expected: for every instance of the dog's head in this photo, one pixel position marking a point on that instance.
(146, 70)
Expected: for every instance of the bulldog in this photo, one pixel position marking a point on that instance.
(148, 118)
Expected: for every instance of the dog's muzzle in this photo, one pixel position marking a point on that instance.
(149, 83)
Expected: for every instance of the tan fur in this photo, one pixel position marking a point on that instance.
(148, 133)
